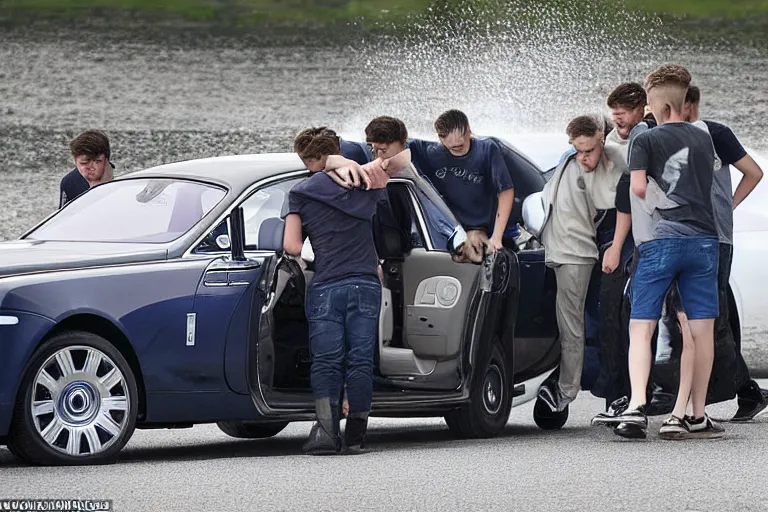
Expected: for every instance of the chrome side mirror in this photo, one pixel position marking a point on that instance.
(534, 213)
(222, 242)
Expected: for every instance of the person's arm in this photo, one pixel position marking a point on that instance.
(345, 172)
(293, 240)
(730, 152)
(504, 210)
(639, 183)
(612, 256)
(505, 188)
(752, 176)
(638, 165)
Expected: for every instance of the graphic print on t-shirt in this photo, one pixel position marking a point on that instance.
(679, 157)
(672, 169)
(469, 184)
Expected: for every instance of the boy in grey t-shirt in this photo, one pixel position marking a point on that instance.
(678, 160)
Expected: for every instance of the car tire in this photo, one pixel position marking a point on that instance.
(546, 419)
(12, 448)
(86, 403)
(251, 429)
(487, 412)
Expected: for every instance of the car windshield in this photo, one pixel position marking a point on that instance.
(132, 210)
(440, 220)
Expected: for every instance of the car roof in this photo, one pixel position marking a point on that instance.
(236, 172)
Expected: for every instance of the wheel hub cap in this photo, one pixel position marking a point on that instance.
(493, 390)
(80, 404)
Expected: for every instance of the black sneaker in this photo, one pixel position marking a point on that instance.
(674, 428)
(749, 408)
(548, 393)
(610, 418)
(703, 428)
(630, 431)
(632, 423)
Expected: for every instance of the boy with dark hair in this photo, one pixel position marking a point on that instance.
(582, 184)
(91, 153)
(344, 297)
(321, 149)
(627, 103)
(679, 159)
(387, 136)
(471, 175)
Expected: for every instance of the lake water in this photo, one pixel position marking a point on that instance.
(177, 93)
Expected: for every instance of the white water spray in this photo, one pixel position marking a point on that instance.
(519, 69)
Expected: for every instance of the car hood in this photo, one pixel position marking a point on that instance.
(25, 256)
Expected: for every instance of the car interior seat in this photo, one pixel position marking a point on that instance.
(271, 234)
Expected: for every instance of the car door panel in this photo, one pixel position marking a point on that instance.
(223, 306)
(437, 292)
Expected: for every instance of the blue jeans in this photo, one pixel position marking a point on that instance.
(343, 326)
(692, 261)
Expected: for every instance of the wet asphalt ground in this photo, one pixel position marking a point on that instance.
(417, 465)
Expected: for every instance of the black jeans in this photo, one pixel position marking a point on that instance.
(613, 381)
(745, 387)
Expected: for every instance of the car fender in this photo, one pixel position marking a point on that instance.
(18, 342)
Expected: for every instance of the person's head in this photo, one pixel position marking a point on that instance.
(387, 136)
(452, 128)
(587, 139)
(315, 145)
(91, 153)
(692, 100)
(666, 88)
(627, 103)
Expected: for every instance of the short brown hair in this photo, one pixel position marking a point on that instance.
(451, 120)
(673, 75)
(91, 143)
(315, 143)
(629, 95)
(386, 130)
(674, 80)
(693, 96)
(586, 126)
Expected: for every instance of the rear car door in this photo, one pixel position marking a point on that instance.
(431, 303)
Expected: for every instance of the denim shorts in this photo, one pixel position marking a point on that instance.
(692, 262)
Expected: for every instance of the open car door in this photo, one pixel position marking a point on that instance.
(433, 308)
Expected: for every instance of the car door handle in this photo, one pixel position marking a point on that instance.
(216, 278)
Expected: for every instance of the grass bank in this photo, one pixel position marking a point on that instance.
(247, 12)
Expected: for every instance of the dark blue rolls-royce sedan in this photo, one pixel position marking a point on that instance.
(162, 299)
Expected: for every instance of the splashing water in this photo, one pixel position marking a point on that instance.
(514, 67)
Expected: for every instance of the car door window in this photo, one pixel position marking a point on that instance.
(262, 216)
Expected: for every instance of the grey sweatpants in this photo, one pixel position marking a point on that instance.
(572, 285)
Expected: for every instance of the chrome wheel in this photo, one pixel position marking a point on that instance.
(493, 390)
(80, 401)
